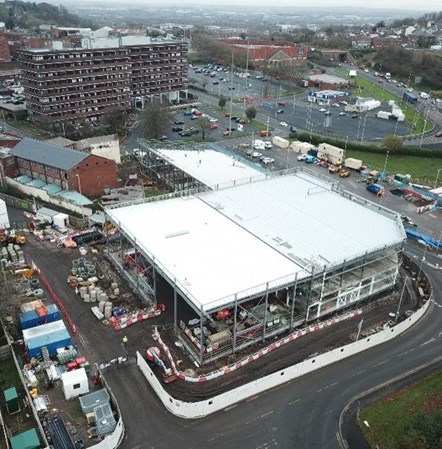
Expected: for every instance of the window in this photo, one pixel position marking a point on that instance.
(76, 386)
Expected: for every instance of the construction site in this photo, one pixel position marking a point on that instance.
(245, 263)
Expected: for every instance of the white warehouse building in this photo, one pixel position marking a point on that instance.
(272, 253)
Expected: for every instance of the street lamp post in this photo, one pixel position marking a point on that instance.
(400, 300)
(437, 177)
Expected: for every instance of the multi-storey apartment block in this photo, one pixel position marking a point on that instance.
(104, 76)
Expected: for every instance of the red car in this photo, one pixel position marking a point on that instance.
(281, 103)
(265, 133)
(214, 126)
(241, 121)
(227, 114)
(198, 113)
(227, 133)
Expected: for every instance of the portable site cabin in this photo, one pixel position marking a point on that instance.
(11, 400)
(75, 383)
(32, 318)
(25, 440)
(52, 336)
(57, 219)
(104, 419)
(4, 218)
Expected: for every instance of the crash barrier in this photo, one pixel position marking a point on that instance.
(252, 357)
(127, 320)
(193, 410)
(54, 296)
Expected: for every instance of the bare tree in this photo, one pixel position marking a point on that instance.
(204, 126)
(157, 118)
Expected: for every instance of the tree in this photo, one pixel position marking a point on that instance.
(204, 126)
(222, 102)
(392, 143)
(251, 112)
(9, 23)
(157, 117)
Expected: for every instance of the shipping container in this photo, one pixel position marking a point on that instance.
(280, 142)
(4, 218)
(32, 318)
(352, 163)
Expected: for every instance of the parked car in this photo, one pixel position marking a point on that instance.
(177, 129)
(241, 121)
(264, 133)
(227, 133)
(354, 116)
(268, 145)
(280, 111)
(302, 157)
(256, 154)
(281, 103)
(267, 160)
(322, 110)
(438, 134)
(283, 124)
(214, 126)
(178, 122)
(163, 138)
(342, 113)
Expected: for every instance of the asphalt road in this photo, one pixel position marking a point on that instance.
(301, 414)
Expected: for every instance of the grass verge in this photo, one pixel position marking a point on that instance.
(423, 170)
(410, 418)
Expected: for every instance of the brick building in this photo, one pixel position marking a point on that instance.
(104, 76)
(66, 168)
(270, 52)
(5, 55)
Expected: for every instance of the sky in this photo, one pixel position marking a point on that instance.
(420, 5)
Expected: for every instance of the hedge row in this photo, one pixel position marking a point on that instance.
(404, 151)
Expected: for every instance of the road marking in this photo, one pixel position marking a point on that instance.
(318, 391)
(328, 412)
(295, 401)
(381, 363)
(400, 355)
(250, 422)
(267, 414)
(429, 341)
(252, 398)
(360, 372)
(440, 334)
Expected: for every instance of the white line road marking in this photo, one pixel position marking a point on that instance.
(381, 363)
(318, 391)
(267, 414)
(440, 334)
(294, 402)
(426, 343)
(328, 412)
(360, 372)
(403, 353)
(231, 407)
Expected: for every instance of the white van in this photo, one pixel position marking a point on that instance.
(424, 95)
(259, 145)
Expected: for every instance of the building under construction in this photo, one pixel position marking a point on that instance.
(249, 259)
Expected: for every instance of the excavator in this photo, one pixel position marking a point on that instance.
(11, 237)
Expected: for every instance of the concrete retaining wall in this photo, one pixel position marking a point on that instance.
(192, 410)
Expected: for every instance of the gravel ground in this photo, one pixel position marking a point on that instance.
(100, 343)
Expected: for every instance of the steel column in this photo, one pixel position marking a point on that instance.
(265, 312)
(292, 311)
(234, 323)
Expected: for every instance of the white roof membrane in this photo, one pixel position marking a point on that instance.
(231, 242)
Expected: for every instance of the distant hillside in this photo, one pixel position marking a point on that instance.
(29, 15)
